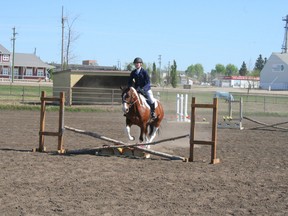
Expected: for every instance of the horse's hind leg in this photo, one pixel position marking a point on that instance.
(153, 133)
(142, 134)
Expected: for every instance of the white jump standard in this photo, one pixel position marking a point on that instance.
(229, 121)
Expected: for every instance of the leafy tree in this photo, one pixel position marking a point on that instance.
(195, 71)
(50, 73)
(243, 70)
(174, 74)
(220, 69)
(129, 66)
(231, 70)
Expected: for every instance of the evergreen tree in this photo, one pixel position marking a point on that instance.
(154, 77)
(243, 70)
(259, 64)
(174, 74)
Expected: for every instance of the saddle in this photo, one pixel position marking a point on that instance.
(146, 101)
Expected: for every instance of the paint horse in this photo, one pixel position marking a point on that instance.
(137, 112)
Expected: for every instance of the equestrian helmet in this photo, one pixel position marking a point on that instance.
(137, 60)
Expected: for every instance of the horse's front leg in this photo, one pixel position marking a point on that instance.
(128, 129)
(144, 134)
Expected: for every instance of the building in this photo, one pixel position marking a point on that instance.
(26, 66)
(90, 86)
(274, 75)
(237, 82)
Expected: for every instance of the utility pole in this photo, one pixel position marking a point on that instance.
(62, 44)
(159, 59)
(285, 43)
(13, 54)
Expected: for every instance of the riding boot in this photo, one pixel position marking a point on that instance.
(153, 115)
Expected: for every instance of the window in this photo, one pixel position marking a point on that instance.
(6, 58)
(40, 72)
(29, 72)
(16, 71)
(5, 71)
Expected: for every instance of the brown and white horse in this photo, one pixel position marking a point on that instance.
(137, 112)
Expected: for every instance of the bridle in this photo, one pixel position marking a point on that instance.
(130, 102)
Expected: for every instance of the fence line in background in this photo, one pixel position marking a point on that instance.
(112, 97)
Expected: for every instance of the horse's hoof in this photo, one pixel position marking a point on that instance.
(132, 138)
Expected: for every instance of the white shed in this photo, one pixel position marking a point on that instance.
(274, 75)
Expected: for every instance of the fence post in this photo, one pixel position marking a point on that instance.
(23, 93)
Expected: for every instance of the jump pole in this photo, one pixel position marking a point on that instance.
(42, 132)
(213, 142)
(120, 144)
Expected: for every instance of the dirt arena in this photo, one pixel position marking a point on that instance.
(252, 178)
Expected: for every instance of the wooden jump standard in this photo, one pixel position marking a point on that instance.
(42, 131)
(213, 142)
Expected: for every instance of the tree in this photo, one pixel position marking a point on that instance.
(243, 70)
(154, 77)
(174, 74)
(220, 69)
(231, 70)
(71, 37)
(195, 71)
(259, 64)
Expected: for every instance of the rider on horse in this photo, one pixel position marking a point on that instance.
(140, 80)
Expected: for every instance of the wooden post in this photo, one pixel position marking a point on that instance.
(192, 130)
(42, 122)
(61, 123)
(214, 159)
(213, 142)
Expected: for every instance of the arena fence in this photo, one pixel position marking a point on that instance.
(255, 104)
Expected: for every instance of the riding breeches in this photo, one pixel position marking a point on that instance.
(150, 97)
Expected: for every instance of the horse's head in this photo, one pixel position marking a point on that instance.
(129, 98)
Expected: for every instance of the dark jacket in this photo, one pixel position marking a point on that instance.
(142, 80)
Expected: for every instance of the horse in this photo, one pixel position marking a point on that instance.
(137, 112)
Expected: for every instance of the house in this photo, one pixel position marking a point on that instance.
(274, 75)
(26, 66)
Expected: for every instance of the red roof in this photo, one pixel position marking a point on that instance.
(241, 78)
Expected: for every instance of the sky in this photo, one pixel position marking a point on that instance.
(114, 32)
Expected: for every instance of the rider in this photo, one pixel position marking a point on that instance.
(139, 78)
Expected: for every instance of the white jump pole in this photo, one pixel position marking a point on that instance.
(178, 107)
(186, 108)
(181, 108)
